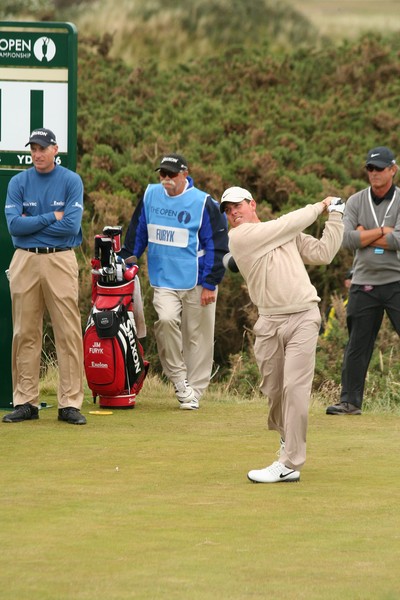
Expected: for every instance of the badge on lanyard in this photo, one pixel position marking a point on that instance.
(379, 250)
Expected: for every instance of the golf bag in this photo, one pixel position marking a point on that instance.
(113, 356)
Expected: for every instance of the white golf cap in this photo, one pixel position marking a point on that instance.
(234, 194)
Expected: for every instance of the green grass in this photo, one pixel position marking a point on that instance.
(153, 503)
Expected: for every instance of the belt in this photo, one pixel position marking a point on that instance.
(44, 250)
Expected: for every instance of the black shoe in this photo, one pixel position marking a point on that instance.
(71, 415)
(22, 412)
(343, 408)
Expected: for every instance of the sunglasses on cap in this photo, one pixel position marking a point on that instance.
(170, 174)
(371, 168)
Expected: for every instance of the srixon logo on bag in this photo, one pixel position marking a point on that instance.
(129, 332)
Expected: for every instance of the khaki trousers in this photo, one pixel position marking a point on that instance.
(185, 336)
(39, 281)
(285, 352)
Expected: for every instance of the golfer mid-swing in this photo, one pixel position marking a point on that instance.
(271, 257)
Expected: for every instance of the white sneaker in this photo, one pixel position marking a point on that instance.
(275, 473)
(192, 405)
(184, 392)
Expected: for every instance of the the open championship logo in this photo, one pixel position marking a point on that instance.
(184, 217)
(44, 49)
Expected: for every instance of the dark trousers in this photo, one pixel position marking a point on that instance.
(365, 311)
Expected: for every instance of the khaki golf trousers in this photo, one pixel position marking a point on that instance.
(185, 336)
(39, 281)
(285, 352)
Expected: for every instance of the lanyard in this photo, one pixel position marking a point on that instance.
(373, 210)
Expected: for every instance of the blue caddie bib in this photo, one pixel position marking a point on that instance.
(173, 224)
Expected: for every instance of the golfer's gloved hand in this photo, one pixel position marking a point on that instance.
(336, 205)
(229, 263)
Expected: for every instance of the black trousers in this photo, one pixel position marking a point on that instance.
(365, 311)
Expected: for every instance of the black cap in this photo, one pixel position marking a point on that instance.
(43, 137)
(173, 162)
(380, 157)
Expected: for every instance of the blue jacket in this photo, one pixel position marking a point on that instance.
(212, 234)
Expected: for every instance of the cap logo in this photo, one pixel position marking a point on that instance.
(373, 155)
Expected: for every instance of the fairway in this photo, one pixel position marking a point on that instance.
(154, 503)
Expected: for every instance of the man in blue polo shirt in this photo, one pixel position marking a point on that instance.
(43, 210)
(186, 237)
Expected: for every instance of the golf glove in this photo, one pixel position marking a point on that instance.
(229, 263)
(336, 205)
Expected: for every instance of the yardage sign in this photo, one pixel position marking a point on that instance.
(38, 88)
(38, 84)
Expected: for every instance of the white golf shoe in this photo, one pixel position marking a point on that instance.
(192, 405)
(275, 473)
(184, 392)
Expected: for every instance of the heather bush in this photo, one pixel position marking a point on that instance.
(291, 129)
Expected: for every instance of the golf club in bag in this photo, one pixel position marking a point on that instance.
(113, 356)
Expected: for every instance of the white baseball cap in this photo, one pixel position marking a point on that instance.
(234, 194)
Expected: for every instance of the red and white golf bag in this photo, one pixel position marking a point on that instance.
(113, 356)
